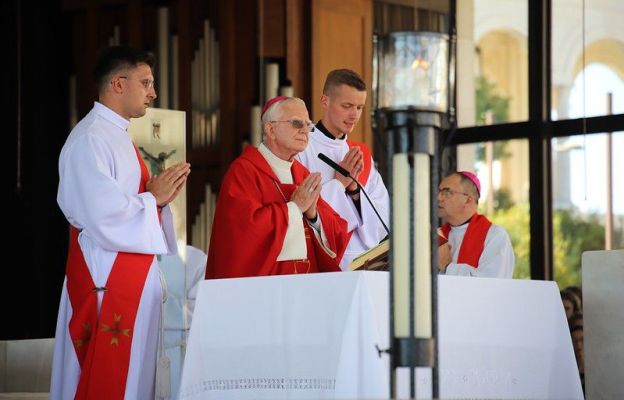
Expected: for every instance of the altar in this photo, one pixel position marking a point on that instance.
(320, 336)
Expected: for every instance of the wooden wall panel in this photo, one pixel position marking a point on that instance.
(298, 47)
(342, 37)
(246, 71)
(134, 24)
(228, 96)
(272, 29)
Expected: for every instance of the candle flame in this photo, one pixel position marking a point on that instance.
(420, 63)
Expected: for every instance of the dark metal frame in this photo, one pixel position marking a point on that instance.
(412, 131)
(540, 130)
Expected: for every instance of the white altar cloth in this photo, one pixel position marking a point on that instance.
(284, 337)
(316, 337)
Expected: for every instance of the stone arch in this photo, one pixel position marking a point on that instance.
(609, 52)
(503, 56)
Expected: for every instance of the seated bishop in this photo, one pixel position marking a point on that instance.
(469, 244)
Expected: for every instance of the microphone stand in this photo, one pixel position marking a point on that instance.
(367, 198)
(346, 174)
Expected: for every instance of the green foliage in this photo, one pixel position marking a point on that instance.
(502, 199)
(487, 99)
(515, 220)
(618, 234)
(500, 150)
(574, 234)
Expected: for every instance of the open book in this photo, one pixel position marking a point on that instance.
(374, 259)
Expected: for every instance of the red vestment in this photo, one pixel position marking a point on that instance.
(251, 220)
(474, 241)
(103, 340)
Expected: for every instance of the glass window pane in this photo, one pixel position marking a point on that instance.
(580, 200)
(587, 65)
(502, 168)
(492, 61)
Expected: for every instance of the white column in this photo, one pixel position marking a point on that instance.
(271, 81)
(562, 180)
(422, 246)
(465, 65)
(287, 91)
(400, 244)
(256, 126)
(175, 73)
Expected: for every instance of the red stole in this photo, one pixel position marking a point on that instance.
(103, 343)
(474, 240)
(366, 158)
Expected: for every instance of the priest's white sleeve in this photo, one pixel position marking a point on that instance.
(334, 193)
(371, 231)
(319, 233)
(168, 227)
(368, 227)
(97, 194)
(497, 259)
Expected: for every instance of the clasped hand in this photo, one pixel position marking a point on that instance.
(444, 256)
(353, 162)
(306, 195)
(167, 185)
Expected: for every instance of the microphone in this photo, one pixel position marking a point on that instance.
(336, 167)
(345, 173)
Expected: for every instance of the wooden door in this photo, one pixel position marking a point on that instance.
(342, 37)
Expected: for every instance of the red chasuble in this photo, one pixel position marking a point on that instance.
(474, 240)
(102, 343)
(251, 220)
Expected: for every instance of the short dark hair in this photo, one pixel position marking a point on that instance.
(578, 292)
(570, 295)
(116, 58)
(347, 77)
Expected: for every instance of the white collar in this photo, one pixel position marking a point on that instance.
(274, 161)
(320, 137)
(460, 228)
(110, 115)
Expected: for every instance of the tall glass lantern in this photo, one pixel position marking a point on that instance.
(412, 108)
(413, 71)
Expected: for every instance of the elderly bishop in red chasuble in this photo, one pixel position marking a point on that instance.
(270, 219)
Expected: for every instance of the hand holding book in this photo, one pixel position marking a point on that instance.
(374, 259)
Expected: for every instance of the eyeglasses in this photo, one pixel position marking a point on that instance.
(147, 83)
(297, 123)
(447, 193)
